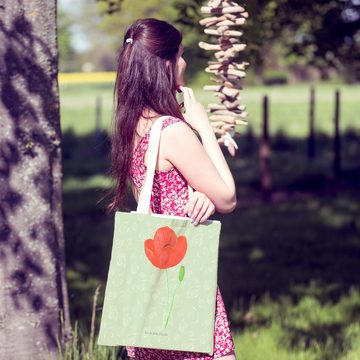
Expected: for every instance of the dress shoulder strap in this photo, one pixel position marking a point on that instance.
(168, 120)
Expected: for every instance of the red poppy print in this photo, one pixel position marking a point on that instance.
(166, 249)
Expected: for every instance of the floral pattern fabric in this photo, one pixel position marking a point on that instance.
(169, 196)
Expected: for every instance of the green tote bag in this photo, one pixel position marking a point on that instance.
(162, 279)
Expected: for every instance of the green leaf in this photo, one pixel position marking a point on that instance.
(181, 273)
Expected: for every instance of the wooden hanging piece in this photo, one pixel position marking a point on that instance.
(224, 17)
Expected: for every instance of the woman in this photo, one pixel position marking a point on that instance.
(150, 71)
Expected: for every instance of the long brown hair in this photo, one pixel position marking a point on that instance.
(143, 82)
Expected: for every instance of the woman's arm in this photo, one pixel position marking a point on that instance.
(213, 149)
(203, 165)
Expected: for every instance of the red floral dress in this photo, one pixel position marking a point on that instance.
(169, 195)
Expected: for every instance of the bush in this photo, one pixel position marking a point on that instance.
(275, 77)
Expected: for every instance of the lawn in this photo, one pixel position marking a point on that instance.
(289, 107)
(289, 269)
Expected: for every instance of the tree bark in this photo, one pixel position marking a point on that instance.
(33, 290)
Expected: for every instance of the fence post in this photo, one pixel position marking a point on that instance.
(264, 153)
(337, 144)
(97, 133)
(311, 138)
(98, 114)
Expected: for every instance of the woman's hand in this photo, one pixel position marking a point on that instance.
(199, 207)
(195, 113)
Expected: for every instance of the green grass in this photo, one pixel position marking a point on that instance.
(78, 104)
(288, 107)
(307, 330)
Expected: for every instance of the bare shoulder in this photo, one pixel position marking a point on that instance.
(180, 141)
(176, 135)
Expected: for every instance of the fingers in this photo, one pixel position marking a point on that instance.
(190, 206)
(199, 207)
(202, 211)
(192, 96)
(188, 95)
(210, 210)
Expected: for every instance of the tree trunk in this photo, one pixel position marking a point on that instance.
(33, 291)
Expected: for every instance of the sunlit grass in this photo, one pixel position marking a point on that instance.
(274, 330)
(289, 106)
(305, 330)
(96, 181)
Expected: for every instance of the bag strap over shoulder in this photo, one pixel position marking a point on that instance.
(143, 206)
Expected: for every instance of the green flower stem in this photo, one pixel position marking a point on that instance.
(167, 283)
(168, 290)
(181, 278)
(172, 304)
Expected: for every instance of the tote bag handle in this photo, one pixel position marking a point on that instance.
(143, 206)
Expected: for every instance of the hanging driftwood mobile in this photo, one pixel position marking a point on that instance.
(223, 20)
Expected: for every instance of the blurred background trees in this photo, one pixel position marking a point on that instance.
(287, 40)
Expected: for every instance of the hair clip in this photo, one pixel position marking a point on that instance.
(129, 40)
